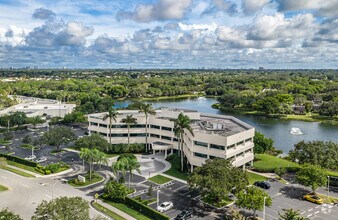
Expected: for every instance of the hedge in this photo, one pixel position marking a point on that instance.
(19, 160)
(272, 170)
(146, 210)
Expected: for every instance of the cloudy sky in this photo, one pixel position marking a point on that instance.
(169, 33)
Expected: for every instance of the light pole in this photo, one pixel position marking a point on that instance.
(32, 151)
(328, 187)
(52, 185)
(158, 198)
(264, 208)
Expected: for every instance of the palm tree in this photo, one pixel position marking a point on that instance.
(132, 165)
(147, 109)
(112, 115)
(120, 166)
(181, 124)
(102, 159)
(129, 120)
(90, 156)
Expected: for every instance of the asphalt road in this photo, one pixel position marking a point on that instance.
(25, 194)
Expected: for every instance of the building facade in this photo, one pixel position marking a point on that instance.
(215, 136)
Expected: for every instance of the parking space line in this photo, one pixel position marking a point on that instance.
(187, 192)
(4, 177)
(309, 215)
(316, 212)
(309, 210)
(179, 188)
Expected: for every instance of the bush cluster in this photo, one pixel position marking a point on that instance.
(272, 170)
(175, 161)
(124, 148)
(19, 160)
(146, 210)
(52, 168)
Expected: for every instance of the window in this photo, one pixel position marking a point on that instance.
(119, 126)
(175, 139)
(138, 126)
(218, 147)
(231, 146)
(240, 143)
(248, 140)
(166, 138)
(202, 144)
(103, 125)
(213, 157)
(155, 126)
(166, 128)
(200, 155)
(137, 135)
(155, 135)
(94, 124)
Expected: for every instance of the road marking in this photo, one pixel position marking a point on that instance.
(4, 177)
(25, 185)
(48, 196)
(317, 207)
(316, 212)
(187, 193)
(179, 188)
(302, 212)
(309, 215)
(309, 210)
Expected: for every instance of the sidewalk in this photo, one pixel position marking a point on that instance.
(117, 211)
(25, 171)
(174, 178)
(267, 175)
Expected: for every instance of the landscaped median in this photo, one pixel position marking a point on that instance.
(3, 188)
(159, 179)
(18, 172)
(94, 179)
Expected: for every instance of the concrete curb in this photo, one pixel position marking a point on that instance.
(25, 171)
(58, 174)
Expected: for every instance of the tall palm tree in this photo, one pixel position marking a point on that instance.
(147, 109)
(132, 165)
(102, 159)
(120, 166)
(112, 115)
(87, 155)
(129, 120)
(181, 124)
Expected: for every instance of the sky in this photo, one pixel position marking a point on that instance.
(282, 34)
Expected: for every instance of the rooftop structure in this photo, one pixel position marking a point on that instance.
(214, 135)
(33, 106)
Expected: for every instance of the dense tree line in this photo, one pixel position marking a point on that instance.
(270, 91)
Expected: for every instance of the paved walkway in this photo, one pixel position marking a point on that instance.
(117, 211)
(267, 175)
(174, 178)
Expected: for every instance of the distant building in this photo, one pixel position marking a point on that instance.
(298, 109)
(215, 136)
(261, 68)
(39, 107)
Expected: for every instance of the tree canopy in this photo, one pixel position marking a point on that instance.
(65, 208)
(58, 136)
(262, 144)
(92, 141)
(5, 214)
(216, 178)
(312, 175)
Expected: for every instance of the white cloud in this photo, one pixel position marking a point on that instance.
(324, 7)
(253, 6)
(161, 10)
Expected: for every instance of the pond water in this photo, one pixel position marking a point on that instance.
(278, 130)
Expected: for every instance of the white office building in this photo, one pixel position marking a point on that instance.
(38, 107)
(214, 135)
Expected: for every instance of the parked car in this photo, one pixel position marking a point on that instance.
(313, 198)
(41, 160)
(262, 184)
(31, 157)
(164, 206)
(186, 214)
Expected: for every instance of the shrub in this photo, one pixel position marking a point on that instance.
(52, 168)
(115, 191)
(19, 160)
(143, 208)
(124, 148)
(175, 161)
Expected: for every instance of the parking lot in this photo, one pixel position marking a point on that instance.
(290, 196)
(68, 157)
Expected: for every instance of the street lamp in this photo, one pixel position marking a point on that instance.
(52, 185)
(328, 187)
(158, 197)
(264, 208)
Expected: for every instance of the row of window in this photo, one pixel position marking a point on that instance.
(131, 126)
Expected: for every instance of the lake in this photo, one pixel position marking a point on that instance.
(278, 130)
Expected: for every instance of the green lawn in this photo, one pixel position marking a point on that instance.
(129, 211)
(4, 142)
(19, 172)
(220, 204)
(95, 178)
(28, 146)
(268, 163)
(3, 188)
(253, 177)
(160, 179)
(22, 166)
(106, 211)
(176, 173)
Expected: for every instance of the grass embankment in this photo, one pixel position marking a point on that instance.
(3, 188)
(22, 166)
(95, 178)
(176, 173)
(18, 172)
(253, 177)
(159, 179)
(220, 204)
(326, 199)
(106, 211)
(266, 163)
(129, 211)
